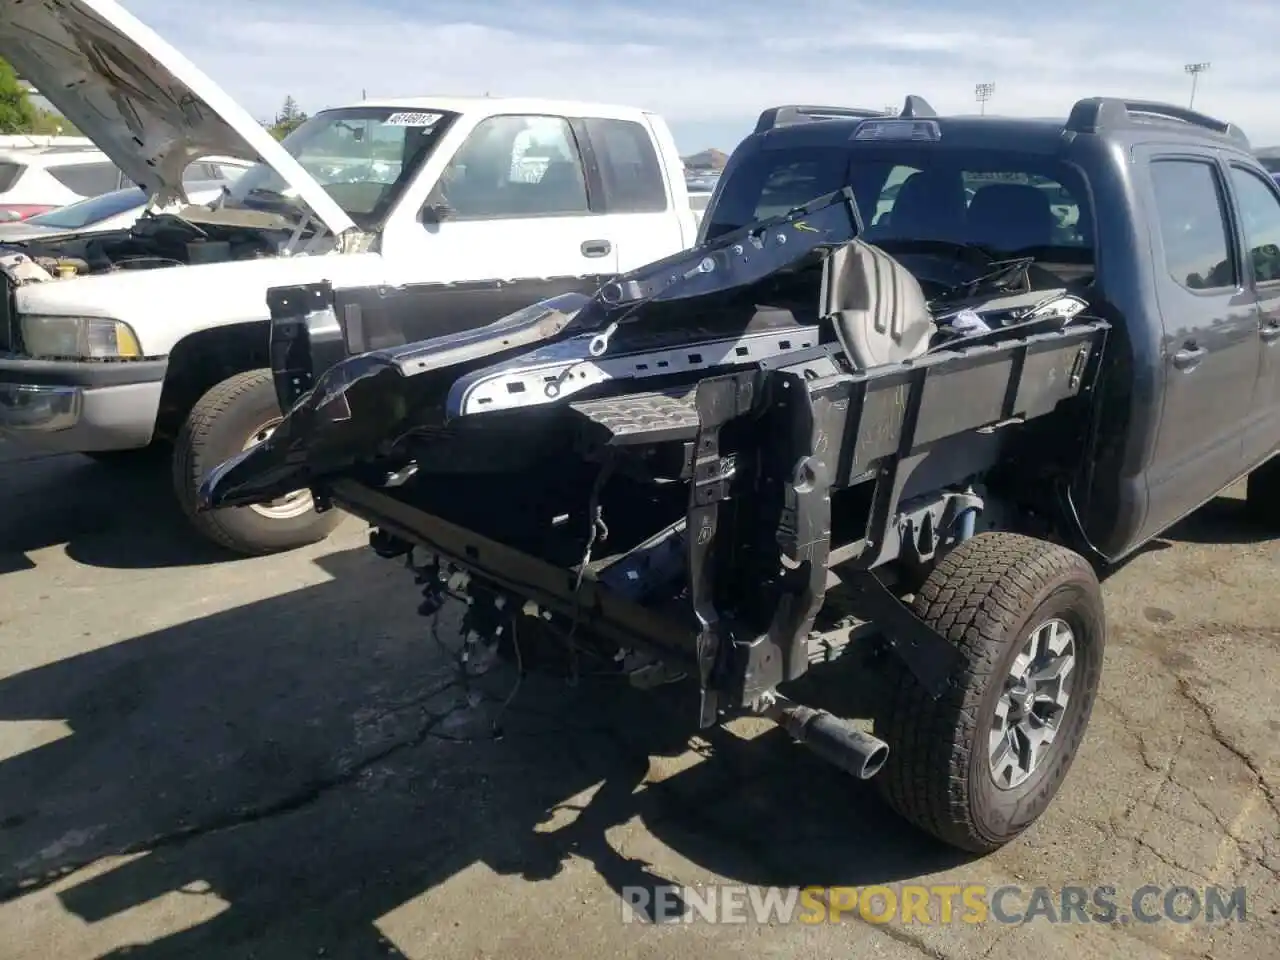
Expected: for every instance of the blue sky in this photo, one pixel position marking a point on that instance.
(710, 68)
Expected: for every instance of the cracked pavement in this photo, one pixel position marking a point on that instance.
(270, 758)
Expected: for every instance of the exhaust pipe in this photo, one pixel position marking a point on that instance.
(836, 741)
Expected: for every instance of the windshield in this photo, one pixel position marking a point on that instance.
(364, 157)
(82, 213)
(1003, 200)
(1270, 164)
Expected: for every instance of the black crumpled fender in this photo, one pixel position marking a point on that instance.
(360, 406)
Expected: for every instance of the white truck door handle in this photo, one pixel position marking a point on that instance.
(596, 248)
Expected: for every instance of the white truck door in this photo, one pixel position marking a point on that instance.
(639, 205)
(507, 223)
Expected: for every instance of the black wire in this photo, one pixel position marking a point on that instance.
(597, 527)
(495, 728)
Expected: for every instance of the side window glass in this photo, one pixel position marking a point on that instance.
(629, 167)
(87, 179)
(794, 184)
(1260, 211)
(1193, 227)
(227, 171)
(195, 172)
(513, 167)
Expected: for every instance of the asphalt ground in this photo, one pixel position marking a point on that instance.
(272, 758)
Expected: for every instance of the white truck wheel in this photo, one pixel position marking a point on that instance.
(230, 417)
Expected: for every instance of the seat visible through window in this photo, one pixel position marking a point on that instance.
(1011, 216)
(929, 206)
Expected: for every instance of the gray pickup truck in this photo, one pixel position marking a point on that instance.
(912, 417)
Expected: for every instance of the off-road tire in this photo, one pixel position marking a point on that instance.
(986, 597)
(217, 428)
(1262, 495)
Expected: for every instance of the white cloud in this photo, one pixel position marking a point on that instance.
(711, 73)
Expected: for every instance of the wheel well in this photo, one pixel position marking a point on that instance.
(203, 360)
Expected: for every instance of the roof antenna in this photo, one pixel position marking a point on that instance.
(917, 107)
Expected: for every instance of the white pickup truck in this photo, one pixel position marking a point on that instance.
(159, 335)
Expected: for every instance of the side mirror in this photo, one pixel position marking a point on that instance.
(435, 213)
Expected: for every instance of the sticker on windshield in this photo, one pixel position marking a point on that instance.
(413, 119)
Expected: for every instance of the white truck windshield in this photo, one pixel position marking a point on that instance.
(362, 156)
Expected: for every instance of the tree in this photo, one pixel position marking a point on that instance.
(288, 119)
(48, 123)
(17, 115)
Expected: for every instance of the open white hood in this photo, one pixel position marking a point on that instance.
(144, 104)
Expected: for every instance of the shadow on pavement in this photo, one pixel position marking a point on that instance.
(313, 761)
(1222, 520)
(117, 515)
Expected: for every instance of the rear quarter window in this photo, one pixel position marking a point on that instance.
(10, 174)
(87, 179)
(629, 166)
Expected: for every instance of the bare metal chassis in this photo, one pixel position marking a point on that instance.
(910, 435)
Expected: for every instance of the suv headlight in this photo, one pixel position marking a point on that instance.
(78, 338)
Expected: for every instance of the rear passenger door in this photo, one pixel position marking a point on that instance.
(631, 184)
(1257, 204)
(1210, 336)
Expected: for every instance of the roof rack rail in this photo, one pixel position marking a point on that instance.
(796, 113)
(1100, 114)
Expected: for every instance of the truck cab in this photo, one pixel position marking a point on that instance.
(158, 334)
(1160, 217)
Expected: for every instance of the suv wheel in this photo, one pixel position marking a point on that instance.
(231, 417)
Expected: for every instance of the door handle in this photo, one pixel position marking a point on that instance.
(1270, 332)
(596, 248)
(1188, 357)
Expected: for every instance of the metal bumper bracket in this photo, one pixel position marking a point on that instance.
(931, 658)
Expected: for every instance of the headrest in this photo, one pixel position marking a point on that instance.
(1011, 216)
(929, 206)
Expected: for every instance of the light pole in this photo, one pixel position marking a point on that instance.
(982, 93)
(1195, 69)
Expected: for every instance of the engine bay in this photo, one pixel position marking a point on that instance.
(157, 240)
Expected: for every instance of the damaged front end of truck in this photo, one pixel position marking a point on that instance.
(731, 464)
